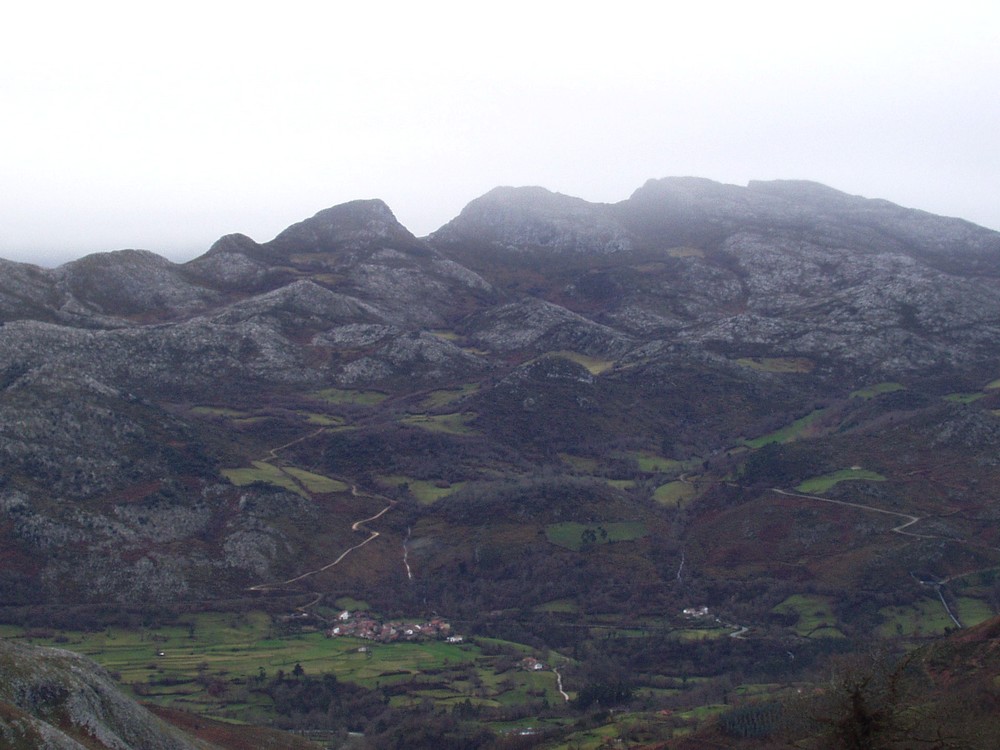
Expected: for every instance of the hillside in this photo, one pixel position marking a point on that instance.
(56, 699)
(550, 421)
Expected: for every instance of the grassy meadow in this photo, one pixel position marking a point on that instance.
(819, 485)
(575, 536)
(797, 429)
(205, 663)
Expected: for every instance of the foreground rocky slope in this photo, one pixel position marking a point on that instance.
(57, 700)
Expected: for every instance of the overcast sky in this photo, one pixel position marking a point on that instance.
(167, 125)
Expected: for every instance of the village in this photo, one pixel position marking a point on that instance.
(363, 625)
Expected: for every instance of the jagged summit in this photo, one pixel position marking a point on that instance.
(347, 229)
(349, 226)
(234, 243)
(520, 220)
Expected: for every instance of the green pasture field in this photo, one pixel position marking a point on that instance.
(759, 688)
(700, 713)
(569, 534)
(352, 605)
(356, 398)
(816, 618)
(324, 420)
(674, 493)
(924, 617)
(443, 397)
(456, 423)
(653, 463)
(992, 385)
(777, 364)
(288, 478)
(635, 729)
(262, 472)
(594, 739)
(519, 647)
(316, 482)
(425, 491)
(787, 433)
(170, 664)
(972, 611)
(594, 365)
(218, 411)
(823, 483)
(528, 724)
(964, 398)
(877, 390)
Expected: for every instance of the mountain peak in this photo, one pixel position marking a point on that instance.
(351, 226)
(526, 218)
(235, 243)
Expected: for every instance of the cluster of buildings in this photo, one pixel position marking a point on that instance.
(531, 664)
(696, 612)
(362, 625)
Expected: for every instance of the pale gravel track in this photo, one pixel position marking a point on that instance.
(910, 520)
(359, 525)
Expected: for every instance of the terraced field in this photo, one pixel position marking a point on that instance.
(177, 665)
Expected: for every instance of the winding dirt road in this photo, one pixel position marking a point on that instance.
(901, 529)
(359, 525)
(356, 526)
(559, 685)
(910, 520)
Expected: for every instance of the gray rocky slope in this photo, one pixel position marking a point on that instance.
(56, 700)
(113, 492)
(776, 268)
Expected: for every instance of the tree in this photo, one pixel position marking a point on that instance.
(870, 704)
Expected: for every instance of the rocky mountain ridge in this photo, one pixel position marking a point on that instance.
(786, 266)
(688, 287)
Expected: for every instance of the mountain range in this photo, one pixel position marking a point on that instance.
(702, 395)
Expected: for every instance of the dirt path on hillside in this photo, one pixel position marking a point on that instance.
(901, 529)
(356, 526)
(359, 525)
(910, 520)
(272, 455)
(406, 555)
(559, 684)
